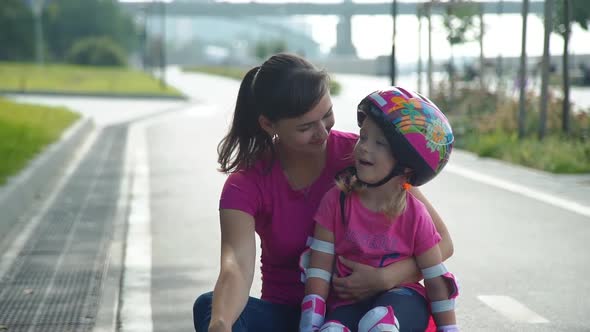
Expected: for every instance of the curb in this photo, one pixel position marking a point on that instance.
(107, 314)
(91, 95)
(22, 191)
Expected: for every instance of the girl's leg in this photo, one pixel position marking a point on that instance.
(258, 315)
(411, 309)
(349, 315)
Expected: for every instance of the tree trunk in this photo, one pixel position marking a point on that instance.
(482, 60)
(548, 18)
(500, 60)
(419, 89)
(452, 77)
(523, 70)
(393, 68)
(429, 16)
(565, 121)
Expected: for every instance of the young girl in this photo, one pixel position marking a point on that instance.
(370, 217)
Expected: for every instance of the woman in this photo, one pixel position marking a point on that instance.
(282, 157)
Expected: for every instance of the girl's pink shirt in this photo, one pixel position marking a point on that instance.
(374, 239)
(283, 216)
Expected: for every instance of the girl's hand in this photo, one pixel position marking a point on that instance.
(364, 281)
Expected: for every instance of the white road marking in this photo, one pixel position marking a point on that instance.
(512, 309)
(136, 307)
(520, 189)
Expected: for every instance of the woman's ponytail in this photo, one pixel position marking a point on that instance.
(245, 139)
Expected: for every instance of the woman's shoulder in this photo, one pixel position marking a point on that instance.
(254, 174)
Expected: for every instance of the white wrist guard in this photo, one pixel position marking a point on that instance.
(313, 311)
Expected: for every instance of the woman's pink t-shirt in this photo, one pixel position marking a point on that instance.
(374, 239)
(283, 216)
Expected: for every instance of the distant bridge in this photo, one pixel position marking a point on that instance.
(345, 10)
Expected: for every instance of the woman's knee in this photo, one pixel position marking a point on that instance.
(202, 310)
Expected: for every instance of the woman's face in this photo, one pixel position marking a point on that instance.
(372, 153)
(309, 132)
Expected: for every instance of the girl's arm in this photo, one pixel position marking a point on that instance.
(320, 260)
(238, 254)
(317, 285)
(440, 287)
(365, 281)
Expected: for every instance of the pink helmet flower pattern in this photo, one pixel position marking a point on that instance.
(420, 135)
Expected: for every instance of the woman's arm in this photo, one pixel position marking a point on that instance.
(365, 281)
(446, 243)
(238, 254)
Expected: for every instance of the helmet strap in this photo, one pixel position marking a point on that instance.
(398, 169)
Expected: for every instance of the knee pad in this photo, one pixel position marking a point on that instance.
(379, 319)
(334, 326)
(440, 270)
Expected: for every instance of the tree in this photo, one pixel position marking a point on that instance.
(565, 11)
(580, 10)
(523, 69)
(263, 49)
(564, 28)
(67, 21)
(16, 31)
(548, 18)
(429, 75)
(459, 21)
(500, 60)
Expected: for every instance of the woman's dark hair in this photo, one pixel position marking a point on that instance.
(284, 86)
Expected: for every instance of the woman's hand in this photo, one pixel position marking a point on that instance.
(364, 281)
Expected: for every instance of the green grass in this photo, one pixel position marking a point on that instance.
(25, 130)
(553, 154)
(80, 79)
(238, 74)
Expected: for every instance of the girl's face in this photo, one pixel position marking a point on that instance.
(307, 133)
(372, 153)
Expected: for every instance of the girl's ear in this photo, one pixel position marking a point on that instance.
(266, 125)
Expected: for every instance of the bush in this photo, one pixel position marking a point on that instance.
(487, 124)
(96, 51)
(335, 87)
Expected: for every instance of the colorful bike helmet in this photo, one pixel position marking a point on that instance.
(419, 134)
